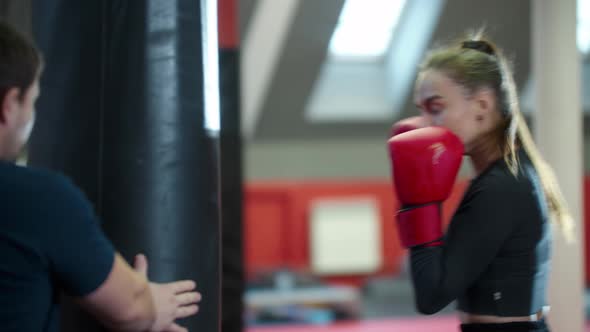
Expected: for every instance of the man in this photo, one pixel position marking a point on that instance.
(50, 239)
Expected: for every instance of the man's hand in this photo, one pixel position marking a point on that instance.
(172, 300)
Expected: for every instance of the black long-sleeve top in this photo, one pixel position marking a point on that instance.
(496, 252)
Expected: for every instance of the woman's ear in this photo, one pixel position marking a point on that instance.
(485, 104)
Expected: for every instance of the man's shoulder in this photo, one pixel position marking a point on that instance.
(35, 182)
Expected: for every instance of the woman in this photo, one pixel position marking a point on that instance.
(494, 257)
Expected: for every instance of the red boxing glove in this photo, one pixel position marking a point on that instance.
(407, 124)
(425, 163)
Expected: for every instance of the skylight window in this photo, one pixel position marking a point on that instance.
(584, 26)
(365, 28)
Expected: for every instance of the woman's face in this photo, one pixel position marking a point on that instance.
(442, 102)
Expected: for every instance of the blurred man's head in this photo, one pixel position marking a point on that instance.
(20, 67)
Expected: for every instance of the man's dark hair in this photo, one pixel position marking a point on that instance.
(20, 61)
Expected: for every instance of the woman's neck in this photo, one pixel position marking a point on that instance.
(483, 156)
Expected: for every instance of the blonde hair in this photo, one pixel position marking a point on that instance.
(474, 63)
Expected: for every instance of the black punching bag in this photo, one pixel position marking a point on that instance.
(130, 110)
(231, 169)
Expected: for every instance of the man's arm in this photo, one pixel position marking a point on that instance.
(123, 301)
(90, 270)
(127, 301)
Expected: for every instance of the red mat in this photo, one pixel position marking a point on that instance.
(422, 324)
